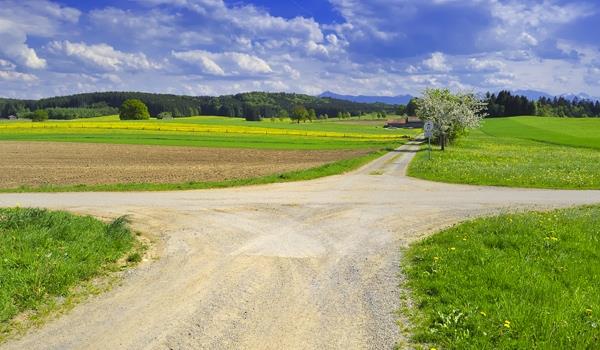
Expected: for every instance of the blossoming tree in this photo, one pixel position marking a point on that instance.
(451, 114)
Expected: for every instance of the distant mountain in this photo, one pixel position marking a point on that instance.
(535, 95)
(532, 94)
(400, 99)
(580, 96)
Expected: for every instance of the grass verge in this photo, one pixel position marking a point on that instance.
(515, 281)
(46, 255)
(334, 168)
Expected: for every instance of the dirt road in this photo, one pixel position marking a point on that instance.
(307, 265)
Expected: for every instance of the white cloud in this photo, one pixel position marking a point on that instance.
(22, 19)
(103, 56)
(16, 76)
(437, 62)
(225, 63)
(526, 24)
(149, 25)
(485, 65)
(215, 46)
(528, 39)
(14, 47)
(6, 65)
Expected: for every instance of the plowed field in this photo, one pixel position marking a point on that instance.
(51, 163)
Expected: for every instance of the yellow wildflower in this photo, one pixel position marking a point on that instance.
(482, 313)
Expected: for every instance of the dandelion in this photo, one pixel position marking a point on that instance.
(507, 324)
(483, 313)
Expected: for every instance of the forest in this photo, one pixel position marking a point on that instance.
(258, 105)
(505, 104)
(252, 105)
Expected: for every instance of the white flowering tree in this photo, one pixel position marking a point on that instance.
(452, 114)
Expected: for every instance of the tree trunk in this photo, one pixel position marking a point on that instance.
(443, 141)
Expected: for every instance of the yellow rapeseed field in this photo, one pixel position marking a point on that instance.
(191, 128)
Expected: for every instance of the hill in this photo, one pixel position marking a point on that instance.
(249, 105)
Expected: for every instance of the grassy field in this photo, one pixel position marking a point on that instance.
(192, 139)
(575, 132)
(521, 152)
(518, 281)
(44, 254)
(210, 132)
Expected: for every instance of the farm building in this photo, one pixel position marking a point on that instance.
(10, 117)
(406, 123)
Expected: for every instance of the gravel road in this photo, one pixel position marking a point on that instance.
(305, 265)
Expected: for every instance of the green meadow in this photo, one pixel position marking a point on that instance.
(540, 152)
(45, 254)
(516, 281)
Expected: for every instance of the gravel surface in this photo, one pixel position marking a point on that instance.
(64, 163)
(306, 265)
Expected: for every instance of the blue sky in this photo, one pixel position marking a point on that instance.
(374, 47)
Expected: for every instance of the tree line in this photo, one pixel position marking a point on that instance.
(258, 105)
(505, 104)
(252, 105)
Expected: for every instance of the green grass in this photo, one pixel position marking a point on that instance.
(565, 155)
(516, 281)
(44, 254)
(575, 132)
(191, 139)
(333, 168)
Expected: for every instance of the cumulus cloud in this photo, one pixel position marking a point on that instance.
(485, 65)
(22, 19)
(16, 76)
(225, 63)
(365, 47)
(149, 25)
(437, 62)
(103, 56)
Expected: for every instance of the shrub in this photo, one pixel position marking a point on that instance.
(165, 115)
(133, 109)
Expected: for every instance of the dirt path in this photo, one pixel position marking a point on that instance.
(307, 265)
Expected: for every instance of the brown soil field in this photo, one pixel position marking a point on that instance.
(55, 163)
